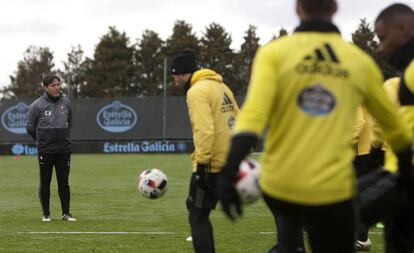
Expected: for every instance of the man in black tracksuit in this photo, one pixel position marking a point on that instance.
(49, 120)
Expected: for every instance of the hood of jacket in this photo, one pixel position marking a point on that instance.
(205, 74)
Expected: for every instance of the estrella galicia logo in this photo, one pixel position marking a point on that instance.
(14, 118)
(316, 100)
(116, 117)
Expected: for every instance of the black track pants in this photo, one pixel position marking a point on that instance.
(61, 162)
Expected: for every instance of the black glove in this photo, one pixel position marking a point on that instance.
(227, 191)
(405, 165)
(378, 196)
(376, 158)
(406, 170)
(240, 146)
(201, 176)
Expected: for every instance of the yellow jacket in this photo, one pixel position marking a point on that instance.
(362, 132)
(212, 110)
(305, 90)
(391, 88)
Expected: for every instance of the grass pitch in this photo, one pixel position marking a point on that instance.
(113, 217)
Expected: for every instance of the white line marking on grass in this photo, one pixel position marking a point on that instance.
(96, 232)
(136, 232)
(272, 233)
(267, 233)
(375, 233)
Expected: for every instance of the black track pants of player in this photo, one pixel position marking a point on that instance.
(61, 162)
(200, 202)
(201, 230)
(399, 232)
(329, 226)
(361, 163)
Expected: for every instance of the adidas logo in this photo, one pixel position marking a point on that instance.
(324, 61)
(227, 105)
(226, 99)
(323, 54)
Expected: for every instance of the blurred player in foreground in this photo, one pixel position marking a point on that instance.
(366, 160)
(305, 89)
(394, 27)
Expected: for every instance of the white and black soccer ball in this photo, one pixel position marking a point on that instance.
(247, 183)
(152, 183)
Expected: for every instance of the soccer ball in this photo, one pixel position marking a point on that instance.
(247, 183)
(152, 183)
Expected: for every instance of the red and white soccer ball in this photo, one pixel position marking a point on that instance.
(152, 183)
(247, 183)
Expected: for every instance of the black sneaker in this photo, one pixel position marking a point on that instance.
(68, 217)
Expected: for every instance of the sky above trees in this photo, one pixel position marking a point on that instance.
(59, 25)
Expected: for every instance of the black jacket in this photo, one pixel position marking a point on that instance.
(49, 122)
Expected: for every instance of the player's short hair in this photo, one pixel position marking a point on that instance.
(317, 7)
(48, 79)
(394, 10)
